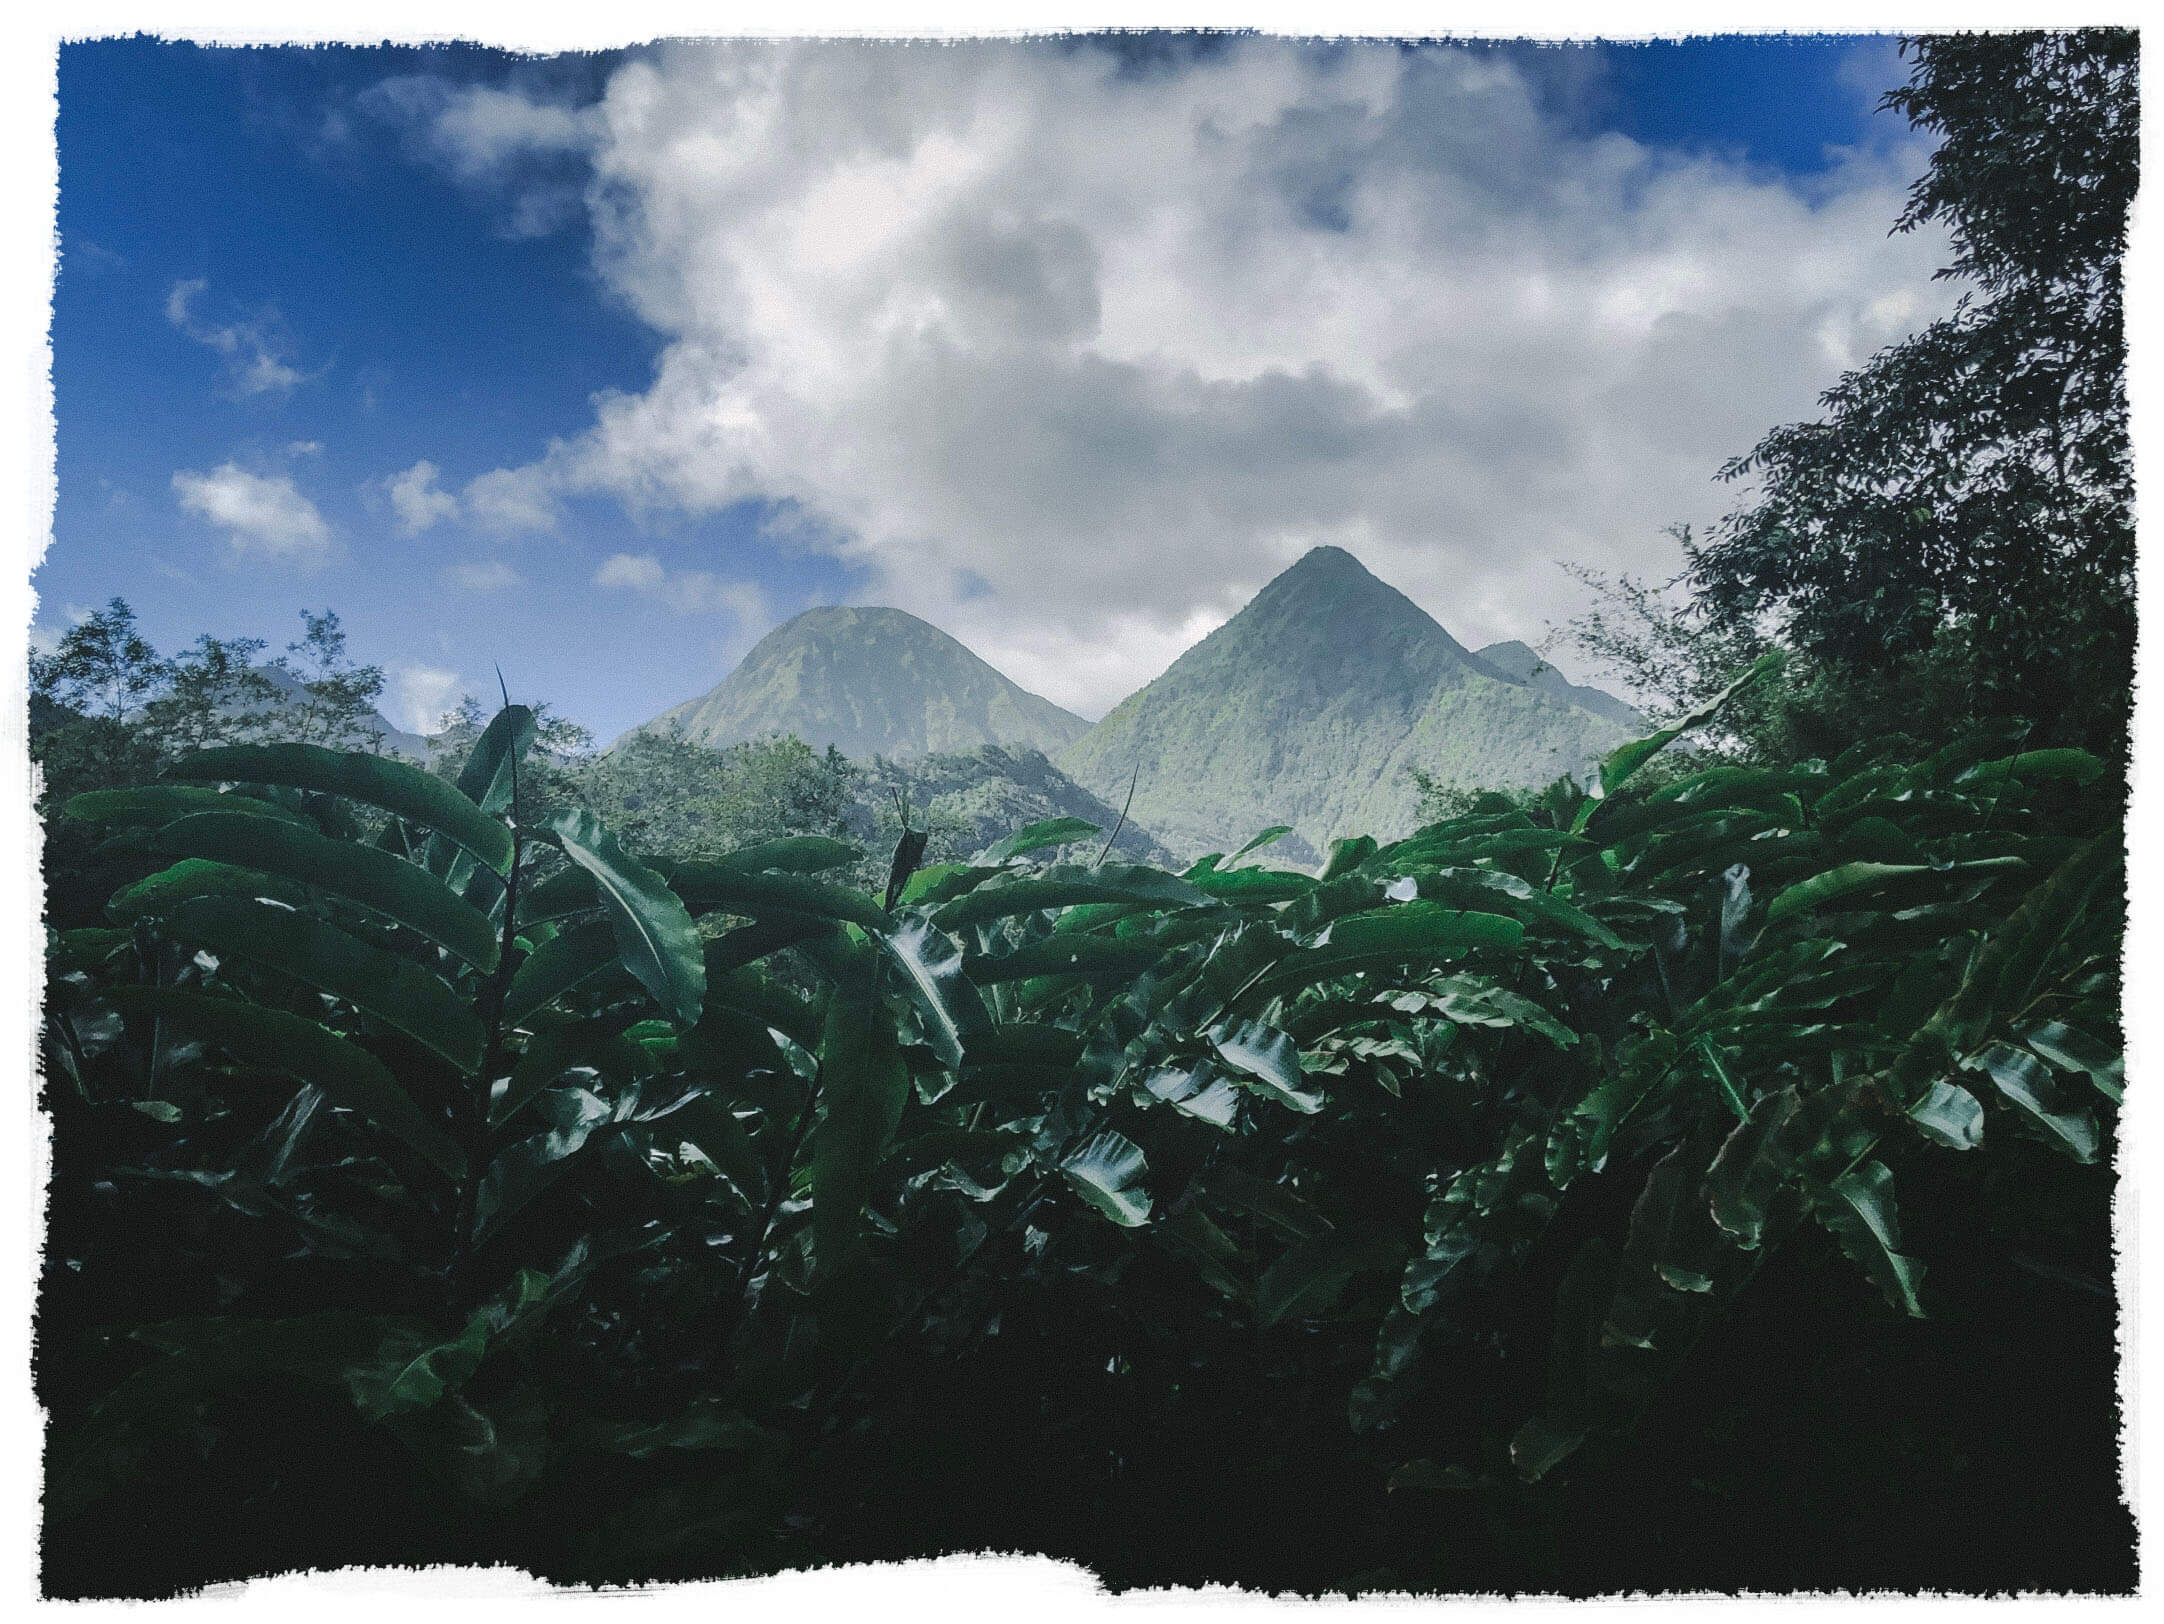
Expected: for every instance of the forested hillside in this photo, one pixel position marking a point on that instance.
(1324, 705)
(970, 800)
(871, 682)
(1311, 707)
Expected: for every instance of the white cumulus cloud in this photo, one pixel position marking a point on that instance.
(640, 574)
(262, 516)
(511, 499)
(1073, 358)
(488, 137)
(418, 500)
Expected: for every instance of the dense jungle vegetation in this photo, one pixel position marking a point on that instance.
(1700, 1177)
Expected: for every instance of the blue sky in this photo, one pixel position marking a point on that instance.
(309, 296)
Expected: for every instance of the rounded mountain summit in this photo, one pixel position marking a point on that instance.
(871, 682)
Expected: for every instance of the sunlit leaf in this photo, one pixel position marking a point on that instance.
(1269, 836)
(487, 775)
(1064, 886)
(1037, 836)
(2071, 1049)
(1625, 760)
(396, 991)
(1950, 1115)
(154, 805)
(1858, 1207)
(558, 965)
(1268, 1060)
(931, 971)
(2030, 1088)
(1107, 1172)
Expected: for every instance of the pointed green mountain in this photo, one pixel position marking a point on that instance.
(872, 682)
(1311, 707)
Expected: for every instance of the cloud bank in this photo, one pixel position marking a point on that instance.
(1073, 357)
(483, 575)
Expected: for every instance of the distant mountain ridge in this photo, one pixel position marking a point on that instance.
(872, 682)
(1311, 707)
(390, 738)
(995, 791)
(1525, 664)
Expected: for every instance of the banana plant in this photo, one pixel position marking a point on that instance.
(564, 1163)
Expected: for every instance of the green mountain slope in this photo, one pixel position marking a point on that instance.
(970, 799)
(1523, 664)
(872, 682)
(1311, 707)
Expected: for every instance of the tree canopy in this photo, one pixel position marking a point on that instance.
(1961, 519)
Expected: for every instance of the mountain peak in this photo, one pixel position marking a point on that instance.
(1329, 601)
(821, 615)
(871, 682)
(1311, 706)
(1518, 661)
(1324, 569)
(1326, 560)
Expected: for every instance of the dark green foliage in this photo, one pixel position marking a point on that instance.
(655, 939)
(103, 666)
(391, 786)
(109, 712)
(1959, 527)
(664, 792)
(326, 698)
(342, 1072)
(718, 1218)
(400, 892)
(967, 801)
(700, 1161)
